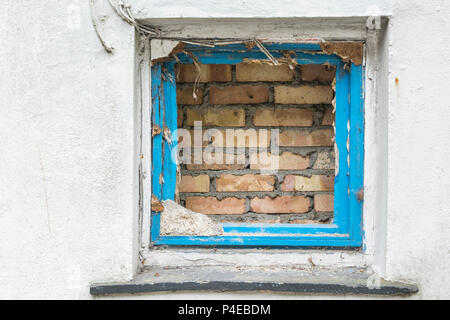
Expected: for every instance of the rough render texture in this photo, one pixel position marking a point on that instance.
(67, 177)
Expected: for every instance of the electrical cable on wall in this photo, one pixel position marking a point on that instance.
(123, 10)
(108, 48)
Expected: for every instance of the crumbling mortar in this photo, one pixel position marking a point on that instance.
(212, 184)
(251, 194)
(297, 73)
(251, 217)
(233, 73)
(279, 173)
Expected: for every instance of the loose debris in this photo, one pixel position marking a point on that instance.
(178, 221)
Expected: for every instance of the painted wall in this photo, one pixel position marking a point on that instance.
(68, 125)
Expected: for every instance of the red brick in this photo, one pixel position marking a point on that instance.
(198, 183)
(263, 72)
(283, 204)
(242, 94)
(303, 94)
(303, 183)
(208, 72)
(303, 138)
(221, 117)
(285, 117)
(285, 161)
(211, 205)
(320, 72)
(185, 96)
(324, 202)
(246, 182)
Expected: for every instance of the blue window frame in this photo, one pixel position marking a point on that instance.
(346, 229)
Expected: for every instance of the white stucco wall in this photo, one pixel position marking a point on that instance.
(68, 126)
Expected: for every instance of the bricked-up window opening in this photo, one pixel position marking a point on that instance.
(260, 154)
(251, 99)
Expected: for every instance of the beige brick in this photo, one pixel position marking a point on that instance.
(189, 135)
(303, 183)
(285, 161)
(215, 166)
(184, 96)
(239, 138)
(242, 94)
(246, 182)
(303, 138)
(208, 72)
(194, 183)
(325, 161)
(317, 72)
(328, 117)
(210, 205)
(217, 161)
(190, 141)
(324, 202)
(303, 94)
(263, 72)
(285, 117)
(283, 204)
(221, 117)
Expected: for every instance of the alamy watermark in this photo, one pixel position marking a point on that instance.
(227, 147)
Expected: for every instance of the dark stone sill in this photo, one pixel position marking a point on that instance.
(348, 281)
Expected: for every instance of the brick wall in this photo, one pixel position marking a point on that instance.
(246, 96)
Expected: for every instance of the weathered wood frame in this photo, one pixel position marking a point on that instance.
(346, 229)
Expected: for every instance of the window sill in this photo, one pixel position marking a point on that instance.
(226, 279)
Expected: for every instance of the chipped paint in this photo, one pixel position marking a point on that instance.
(347, 51)
(249, 45)
(336, 149)
(156, 204)
(360, 195)
(167, 134)
(156, 130)
(165, 50)
(348, 143)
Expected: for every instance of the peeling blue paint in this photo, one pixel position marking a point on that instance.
(346, 229)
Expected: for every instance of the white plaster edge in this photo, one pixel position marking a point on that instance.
(145, 154)
(178, 257)
(162, 48)
(375, 155)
